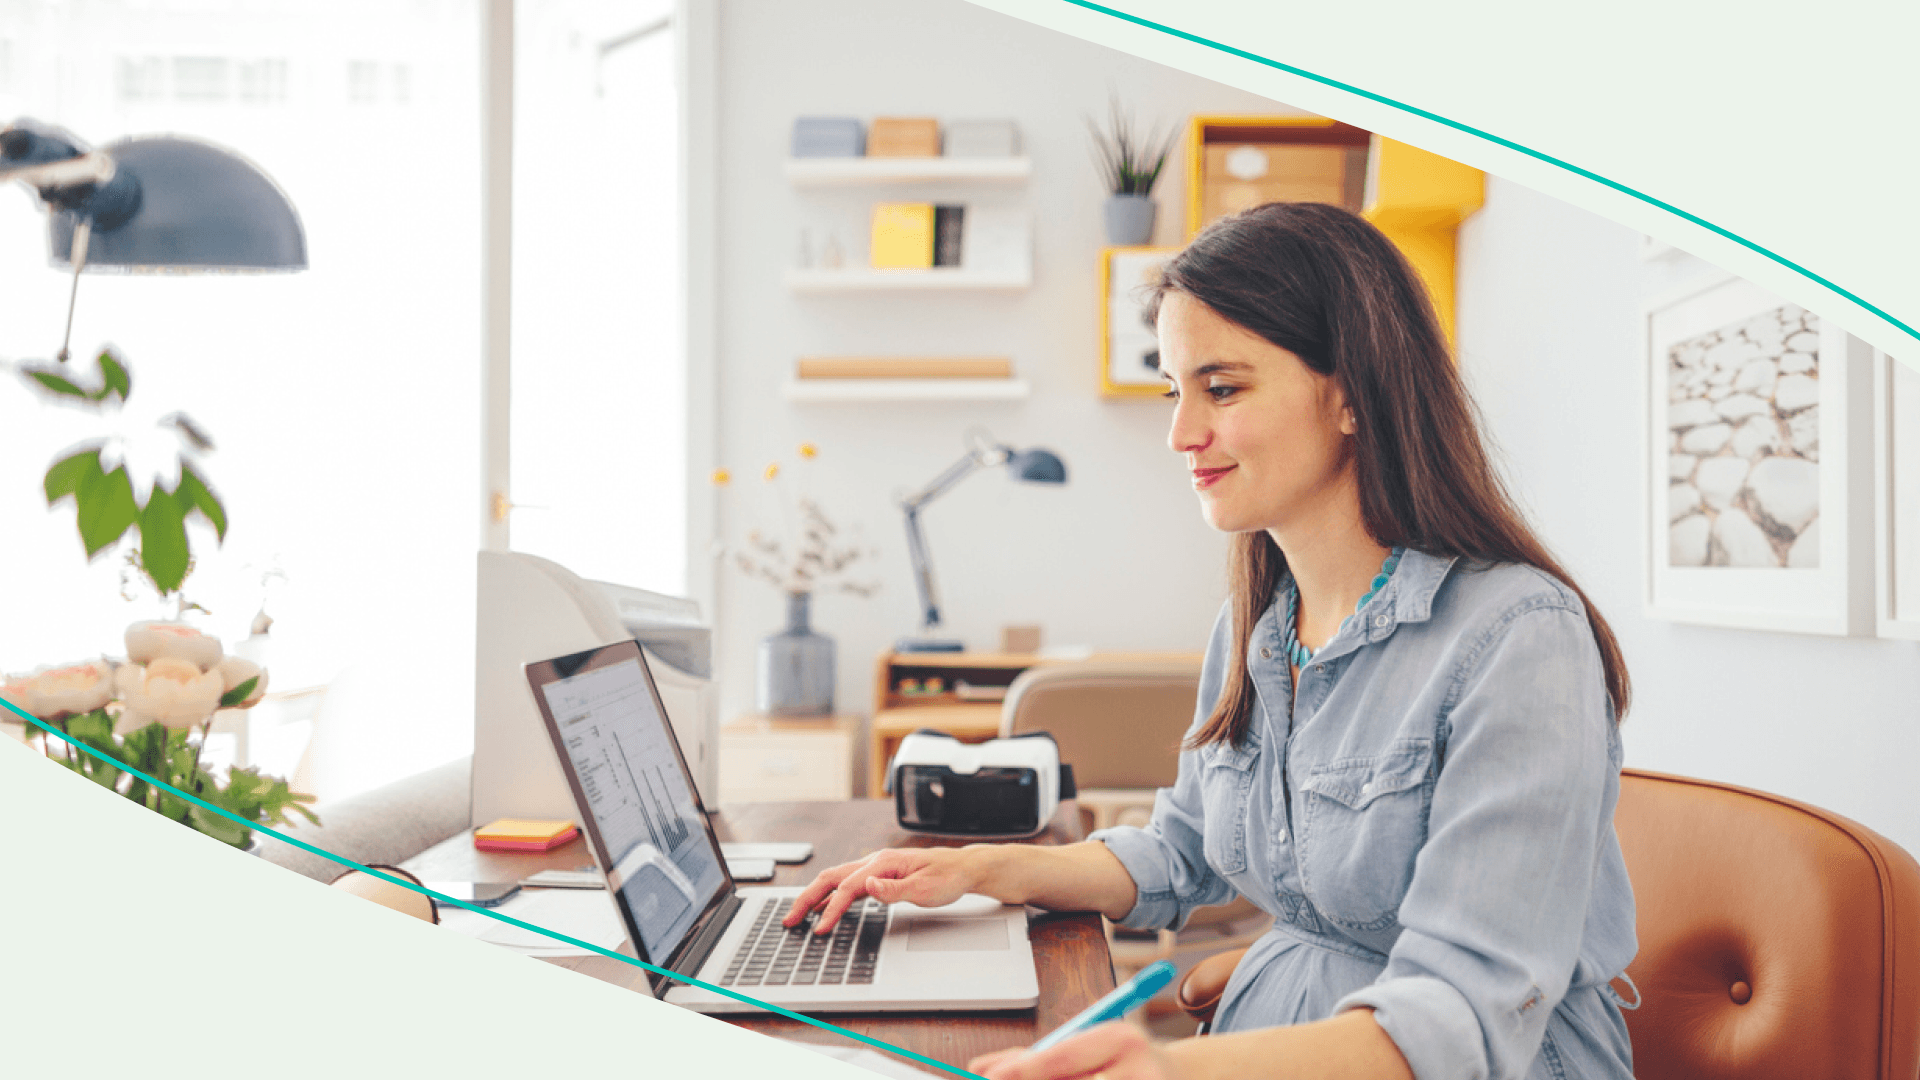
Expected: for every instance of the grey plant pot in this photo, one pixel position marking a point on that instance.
(1130, 219)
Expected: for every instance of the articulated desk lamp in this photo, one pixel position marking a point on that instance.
(156, 202)
(1033, 465)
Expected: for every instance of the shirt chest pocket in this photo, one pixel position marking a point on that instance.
(1226, 783)
(1364, 820)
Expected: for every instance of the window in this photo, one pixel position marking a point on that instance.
(343, 401)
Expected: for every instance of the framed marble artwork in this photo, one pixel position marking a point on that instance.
(1748, 500)
(1896, 489)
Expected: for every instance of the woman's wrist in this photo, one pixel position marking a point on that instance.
(1076, 877)
(997, 871)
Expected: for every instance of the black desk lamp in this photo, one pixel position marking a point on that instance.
(161, 203)
(1033, 465)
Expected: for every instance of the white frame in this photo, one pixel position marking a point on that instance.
(1896, 519)
(1804, 600)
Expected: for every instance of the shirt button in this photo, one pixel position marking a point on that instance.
(1380, 620)
(1366, 787)
(1281, 836)
(1266, 653)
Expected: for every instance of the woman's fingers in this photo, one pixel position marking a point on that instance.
(1115, 1051)
(985, 1062)
(816, 891)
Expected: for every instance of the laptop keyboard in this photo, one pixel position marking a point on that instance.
(773, 955)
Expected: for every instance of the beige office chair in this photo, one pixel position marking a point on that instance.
(1119, 724)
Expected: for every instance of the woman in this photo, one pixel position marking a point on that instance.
(1405, 746)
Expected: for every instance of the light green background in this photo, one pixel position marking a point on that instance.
(1786, 124)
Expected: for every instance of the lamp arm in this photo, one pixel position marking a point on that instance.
(922, 571)
(958, 471)
(49, 176)
(68, 176)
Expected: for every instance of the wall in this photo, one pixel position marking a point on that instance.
(1549, 337)
(1117, 559)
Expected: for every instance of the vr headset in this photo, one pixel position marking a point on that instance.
(1003, 787)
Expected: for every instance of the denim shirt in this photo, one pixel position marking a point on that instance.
(1430, 824)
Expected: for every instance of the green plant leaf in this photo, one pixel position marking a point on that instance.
(114, 377)
(58, 384)
(194, 495)
(64, 476)
(106, 507)
(163, 541)
(239, 693)
(220, 828)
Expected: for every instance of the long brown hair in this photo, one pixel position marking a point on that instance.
(1325, 285)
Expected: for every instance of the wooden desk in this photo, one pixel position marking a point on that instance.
(1069, 950)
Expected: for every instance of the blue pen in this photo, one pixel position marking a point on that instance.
(1125, 998)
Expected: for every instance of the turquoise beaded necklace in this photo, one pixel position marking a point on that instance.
(1300, 654)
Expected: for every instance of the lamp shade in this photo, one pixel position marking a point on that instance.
(201, 208)
(1037, 466)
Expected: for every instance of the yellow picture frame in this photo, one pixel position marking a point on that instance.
(1124, 342)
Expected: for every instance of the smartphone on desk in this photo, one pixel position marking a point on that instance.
(477, 893)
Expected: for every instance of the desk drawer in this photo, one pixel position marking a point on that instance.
(777, 768)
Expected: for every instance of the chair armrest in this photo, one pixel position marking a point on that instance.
(1199, 993)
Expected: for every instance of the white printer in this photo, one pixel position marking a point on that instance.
(530, 609)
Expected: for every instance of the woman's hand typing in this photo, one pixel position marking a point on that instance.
(929, 877)
(1073, 877)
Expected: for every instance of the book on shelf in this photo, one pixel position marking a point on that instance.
(904, 367)
(903, 136)
(902, 236)
(947, 234)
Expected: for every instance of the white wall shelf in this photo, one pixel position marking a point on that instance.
(846, 172)
(865, 390)
(864, 279)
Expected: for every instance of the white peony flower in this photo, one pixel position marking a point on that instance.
(169, 690)
(77, 688)
(18, 692)
(149, 641)
(235, 670)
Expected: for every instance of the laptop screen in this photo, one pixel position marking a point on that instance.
(631, 782)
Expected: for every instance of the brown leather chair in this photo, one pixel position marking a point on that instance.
(1776, 939)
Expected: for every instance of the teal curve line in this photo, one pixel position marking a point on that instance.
(1497, 140)
(636, 962)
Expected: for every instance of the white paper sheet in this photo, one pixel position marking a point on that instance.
(872, 1060)
(586, 914)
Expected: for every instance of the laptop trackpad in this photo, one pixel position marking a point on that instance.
(932, 933)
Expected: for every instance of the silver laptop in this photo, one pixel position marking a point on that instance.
(681, 908)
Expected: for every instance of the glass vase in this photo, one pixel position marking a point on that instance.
(796, 669)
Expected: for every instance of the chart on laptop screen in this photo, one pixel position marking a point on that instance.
(639, 797)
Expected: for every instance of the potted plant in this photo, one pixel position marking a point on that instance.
(795, 669)
(102, 716)
(1130, 161)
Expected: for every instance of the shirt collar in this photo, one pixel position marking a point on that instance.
(1407, 597)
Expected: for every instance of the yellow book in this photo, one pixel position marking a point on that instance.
(903, 235)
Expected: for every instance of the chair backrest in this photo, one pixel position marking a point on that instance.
(1776, 939)
(1118, 723)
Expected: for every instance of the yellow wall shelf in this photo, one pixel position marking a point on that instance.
(1418, 199)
